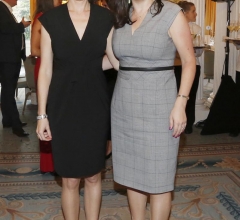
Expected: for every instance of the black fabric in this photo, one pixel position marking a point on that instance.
(190, 108)
(11, 52)
(238, 79)
(78, 100)
(9, 73)
(10, 37)
(111, 76)
(146, 69)
(238, 100)
(224, 112)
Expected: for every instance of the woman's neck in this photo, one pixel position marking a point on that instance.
(78, 6)
(141, 5)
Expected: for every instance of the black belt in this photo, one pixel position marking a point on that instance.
(146, 68)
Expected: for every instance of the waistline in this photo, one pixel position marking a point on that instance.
(146, 68)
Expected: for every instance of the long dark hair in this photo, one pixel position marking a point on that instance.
(185, 5)
(43, 6)
(120, 9)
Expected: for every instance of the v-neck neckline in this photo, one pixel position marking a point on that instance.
(76, 33)
(143, 21)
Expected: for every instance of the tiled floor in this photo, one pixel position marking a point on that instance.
(12, 143)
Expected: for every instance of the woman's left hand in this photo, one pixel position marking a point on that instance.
(178, 120)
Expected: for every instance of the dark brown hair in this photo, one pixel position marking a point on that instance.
(43, 6)
(186, 6)
(120, 9)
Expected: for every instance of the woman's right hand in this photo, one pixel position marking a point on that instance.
(43, 130)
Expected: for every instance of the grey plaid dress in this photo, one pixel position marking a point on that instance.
(144, 151)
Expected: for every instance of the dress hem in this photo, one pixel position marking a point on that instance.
(80, 176)
(130, 185)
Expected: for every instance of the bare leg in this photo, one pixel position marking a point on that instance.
(109, 148)
(70, 198)
(160, 206)
(137, 202)
(92, 196)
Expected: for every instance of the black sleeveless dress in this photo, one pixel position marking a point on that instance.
(78, 103)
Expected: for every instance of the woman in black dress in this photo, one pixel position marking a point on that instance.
(72, 85)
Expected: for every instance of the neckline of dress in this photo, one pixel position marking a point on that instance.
(140, 25)
(90, 15)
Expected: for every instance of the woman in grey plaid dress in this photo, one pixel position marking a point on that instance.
(148, 115)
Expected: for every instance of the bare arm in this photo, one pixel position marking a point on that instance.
(181, 36)
(35, 39)
(44, 79)
(237, 44)
(198, 52)
(113, 60)
(106, 65)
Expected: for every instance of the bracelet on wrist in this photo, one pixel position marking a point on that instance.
(183, 96)
(39, 117)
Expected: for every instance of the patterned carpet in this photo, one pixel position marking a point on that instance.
(207, 187)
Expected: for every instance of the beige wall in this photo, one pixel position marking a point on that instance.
(32, 7)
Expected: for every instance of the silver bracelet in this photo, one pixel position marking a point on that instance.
(39, 117)
(183, 96)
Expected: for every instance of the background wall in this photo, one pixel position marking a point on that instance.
(221, 27)
(32, 7)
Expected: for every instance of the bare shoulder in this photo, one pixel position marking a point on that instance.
(170, 5)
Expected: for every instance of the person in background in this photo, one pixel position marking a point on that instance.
(73, 101)
(41, 7)
(236, 130)
(147, 114)
(190, 14)
(46, 160)
(12, 50)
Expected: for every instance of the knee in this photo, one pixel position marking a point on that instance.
(163, 197)
(71, 183)
(93, 179)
